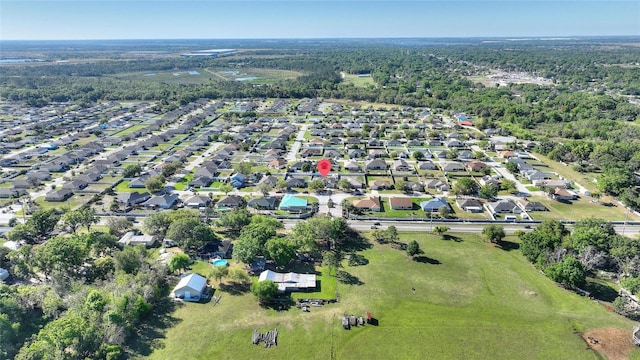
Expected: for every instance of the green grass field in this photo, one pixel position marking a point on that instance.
(359, 81)
(579, 209)
(464, 299)
(130, 130)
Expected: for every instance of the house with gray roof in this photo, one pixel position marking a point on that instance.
(376, 164)
(166, 201)
(504, 206)
(434, 205)
(264, 203)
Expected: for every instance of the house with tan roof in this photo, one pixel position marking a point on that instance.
(379, 185)
(400, 203)
(371, 203)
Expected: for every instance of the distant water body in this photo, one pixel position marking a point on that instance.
(154, 45)
(19, 60)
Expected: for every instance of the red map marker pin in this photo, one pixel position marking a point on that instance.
(324, 166)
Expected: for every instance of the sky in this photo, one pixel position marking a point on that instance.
(238, 19)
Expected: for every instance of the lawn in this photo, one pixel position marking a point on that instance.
(579, 209)
(130, 130)
(359, 81)
(464, 299)
(568, 173)
(72, 203)
(183, 182)
(123, 186)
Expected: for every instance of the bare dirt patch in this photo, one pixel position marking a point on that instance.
(613, 343)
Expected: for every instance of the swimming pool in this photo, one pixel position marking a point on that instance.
(219, 262)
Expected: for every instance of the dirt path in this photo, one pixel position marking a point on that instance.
(612, 343)
(216, 74)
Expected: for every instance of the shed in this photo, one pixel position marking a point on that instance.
(190, 288)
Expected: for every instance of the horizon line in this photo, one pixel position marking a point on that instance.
(504, 37)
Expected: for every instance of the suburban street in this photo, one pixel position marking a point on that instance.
(456, 227)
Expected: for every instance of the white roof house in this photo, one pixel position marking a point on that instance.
(289, 281)
(131, 238)
(190, 288)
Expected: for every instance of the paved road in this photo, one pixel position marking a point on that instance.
(628, 230)
(202, 158)
(291, 156)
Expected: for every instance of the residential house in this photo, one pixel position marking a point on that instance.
(454, 143)
(379, 185)
(400, 203)
(413, 186)
(440, 154)
(533, 175)
(469, 205)
(507, 154)
(12, 192)
(332, 154)
(41, 175)
(133, 238)
(355, 183)
(264, 203)
(200, 182)
(310, 152)
(190, 288)
(132, 198)
(138, 183)
(75, 185)
(527, 205)
(278, 163)
(476, 166)
(209, 170)
(290, 281)
(427, 165)
(564, 195)
(230, 202)
(352, 166)
(166, 201)
(371, 203)
(292, 203)
(401, 165)
(377, 153)
(554, 184)
(451, 166)
(89, 177)
(298, 165)
(436, 184)
(197, 201)
(237, 180)
(269, 180)
(355, 153)
(503, 206)
(465, 155)
(434, 205)
(376, 165)
(296, 183)
(58, 195)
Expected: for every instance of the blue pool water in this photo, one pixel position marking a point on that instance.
(219, 262)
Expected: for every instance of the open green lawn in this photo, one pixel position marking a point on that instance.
(183, 182)
(463, 300)
(568, 173)
(579, 209)
(123, 186)
(130, 130)
(359, 81)
(72, 203)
